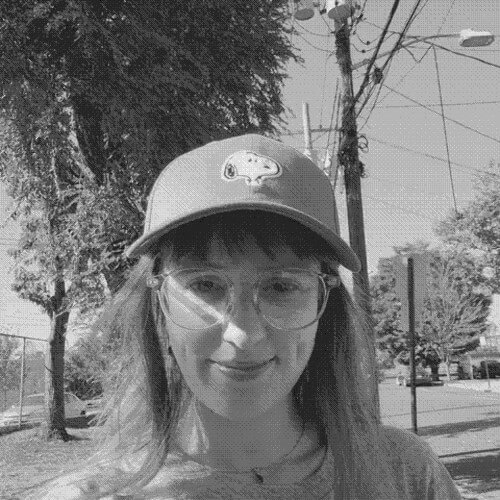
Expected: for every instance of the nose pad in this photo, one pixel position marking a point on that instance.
(244, 326)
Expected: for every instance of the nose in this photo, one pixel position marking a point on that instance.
(244, 327)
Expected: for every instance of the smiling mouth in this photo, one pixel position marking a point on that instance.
(244, 367)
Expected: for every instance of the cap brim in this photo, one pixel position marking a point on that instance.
(343, 252)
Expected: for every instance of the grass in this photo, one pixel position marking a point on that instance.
(27, 460)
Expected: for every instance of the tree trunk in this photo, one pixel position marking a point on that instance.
(54, 366)
(447, 363)
(434, 371)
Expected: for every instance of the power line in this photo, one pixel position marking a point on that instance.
(462, 54)
(471, 103)
(302, 37)
(427, 155)
(398, 207)
(445, 131)
(448, 118)
(478, 49)
(446, 16)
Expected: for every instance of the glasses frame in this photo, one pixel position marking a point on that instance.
(329, 281)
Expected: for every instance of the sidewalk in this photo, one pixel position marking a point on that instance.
(493, 385)
(461, 422)
(476, 467)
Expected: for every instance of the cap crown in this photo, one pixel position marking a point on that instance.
(245, 172)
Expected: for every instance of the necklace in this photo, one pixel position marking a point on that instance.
(254, 471)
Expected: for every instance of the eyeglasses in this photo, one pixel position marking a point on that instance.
(288, 299)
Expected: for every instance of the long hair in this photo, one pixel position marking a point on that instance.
(148, 393)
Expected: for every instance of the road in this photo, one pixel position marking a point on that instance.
(462, 426)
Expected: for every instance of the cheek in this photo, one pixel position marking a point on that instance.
(296, 350)
(191, 347)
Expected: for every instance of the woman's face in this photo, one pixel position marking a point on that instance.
(243, 366)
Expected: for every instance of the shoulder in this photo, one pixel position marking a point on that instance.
(76, 485)
(63, 488)
(416, 467)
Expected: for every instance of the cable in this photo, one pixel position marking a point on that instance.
(336, 141)
(313, 32)
(427, 155)
(397, 207)
(449, 119)
(414, 14)
(471, 103)
(334, 105)
(462, 54)
(314, 46)
(445, 131)
(366, 77)
(323, 91)
(385, 67)
(446, 16)
(389, 93)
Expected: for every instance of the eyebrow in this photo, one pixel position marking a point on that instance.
(216, 265)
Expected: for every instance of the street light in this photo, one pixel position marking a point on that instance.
(468, 38)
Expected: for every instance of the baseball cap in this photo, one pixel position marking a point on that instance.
(247, 172)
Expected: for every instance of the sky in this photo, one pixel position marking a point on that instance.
(408, 186)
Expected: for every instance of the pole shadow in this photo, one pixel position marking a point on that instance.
(476, 473)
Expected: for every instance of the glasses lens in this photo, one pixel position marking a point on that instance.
(195, 299)
(291, 299)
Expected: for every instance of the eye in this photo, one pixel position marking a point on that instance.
(280, 285)
(211, 288)
(206, 285)
(231, 170)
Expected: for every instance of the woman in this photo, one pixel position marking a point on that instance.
(241, 374)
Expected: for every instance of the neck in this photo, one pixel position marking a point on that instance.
(214, 440)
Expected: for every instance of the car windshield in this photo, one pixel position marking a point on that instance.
(34, 400)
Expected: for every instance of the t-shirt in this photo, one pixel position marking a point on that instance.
(305, 474)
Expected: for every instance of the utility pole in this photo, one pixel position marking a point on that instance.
(411, 331)
(306, 123)
(348, 158)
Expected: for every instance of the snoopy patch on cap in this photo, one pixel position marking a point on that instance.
(252, 167)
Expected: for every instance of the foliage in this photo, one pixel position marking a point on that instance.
(386, 309)
(473, 236)
(10, 364)
(453, 318)
(87, 365)
(97, 96)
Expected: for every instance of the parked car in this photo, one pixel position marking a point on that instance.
(34, 409)
(493, 369)
(94, 406)
(420, 379)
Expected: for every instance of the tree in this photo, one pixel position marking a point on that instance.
(97, 96)
(455, 316)
(454, 312)
(386, 309)
(386, 305)
(87, 365)
(10, 365)
(474, 234)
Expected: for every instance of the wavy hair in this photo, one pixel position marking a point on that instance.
(148, 393)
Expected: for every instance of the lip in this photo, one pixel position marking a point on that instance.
(243, 371)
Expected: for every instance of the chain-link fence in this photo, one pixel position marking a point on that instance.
(22, 376)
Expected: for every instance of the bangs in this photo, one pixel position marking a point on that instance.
(274, 234)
